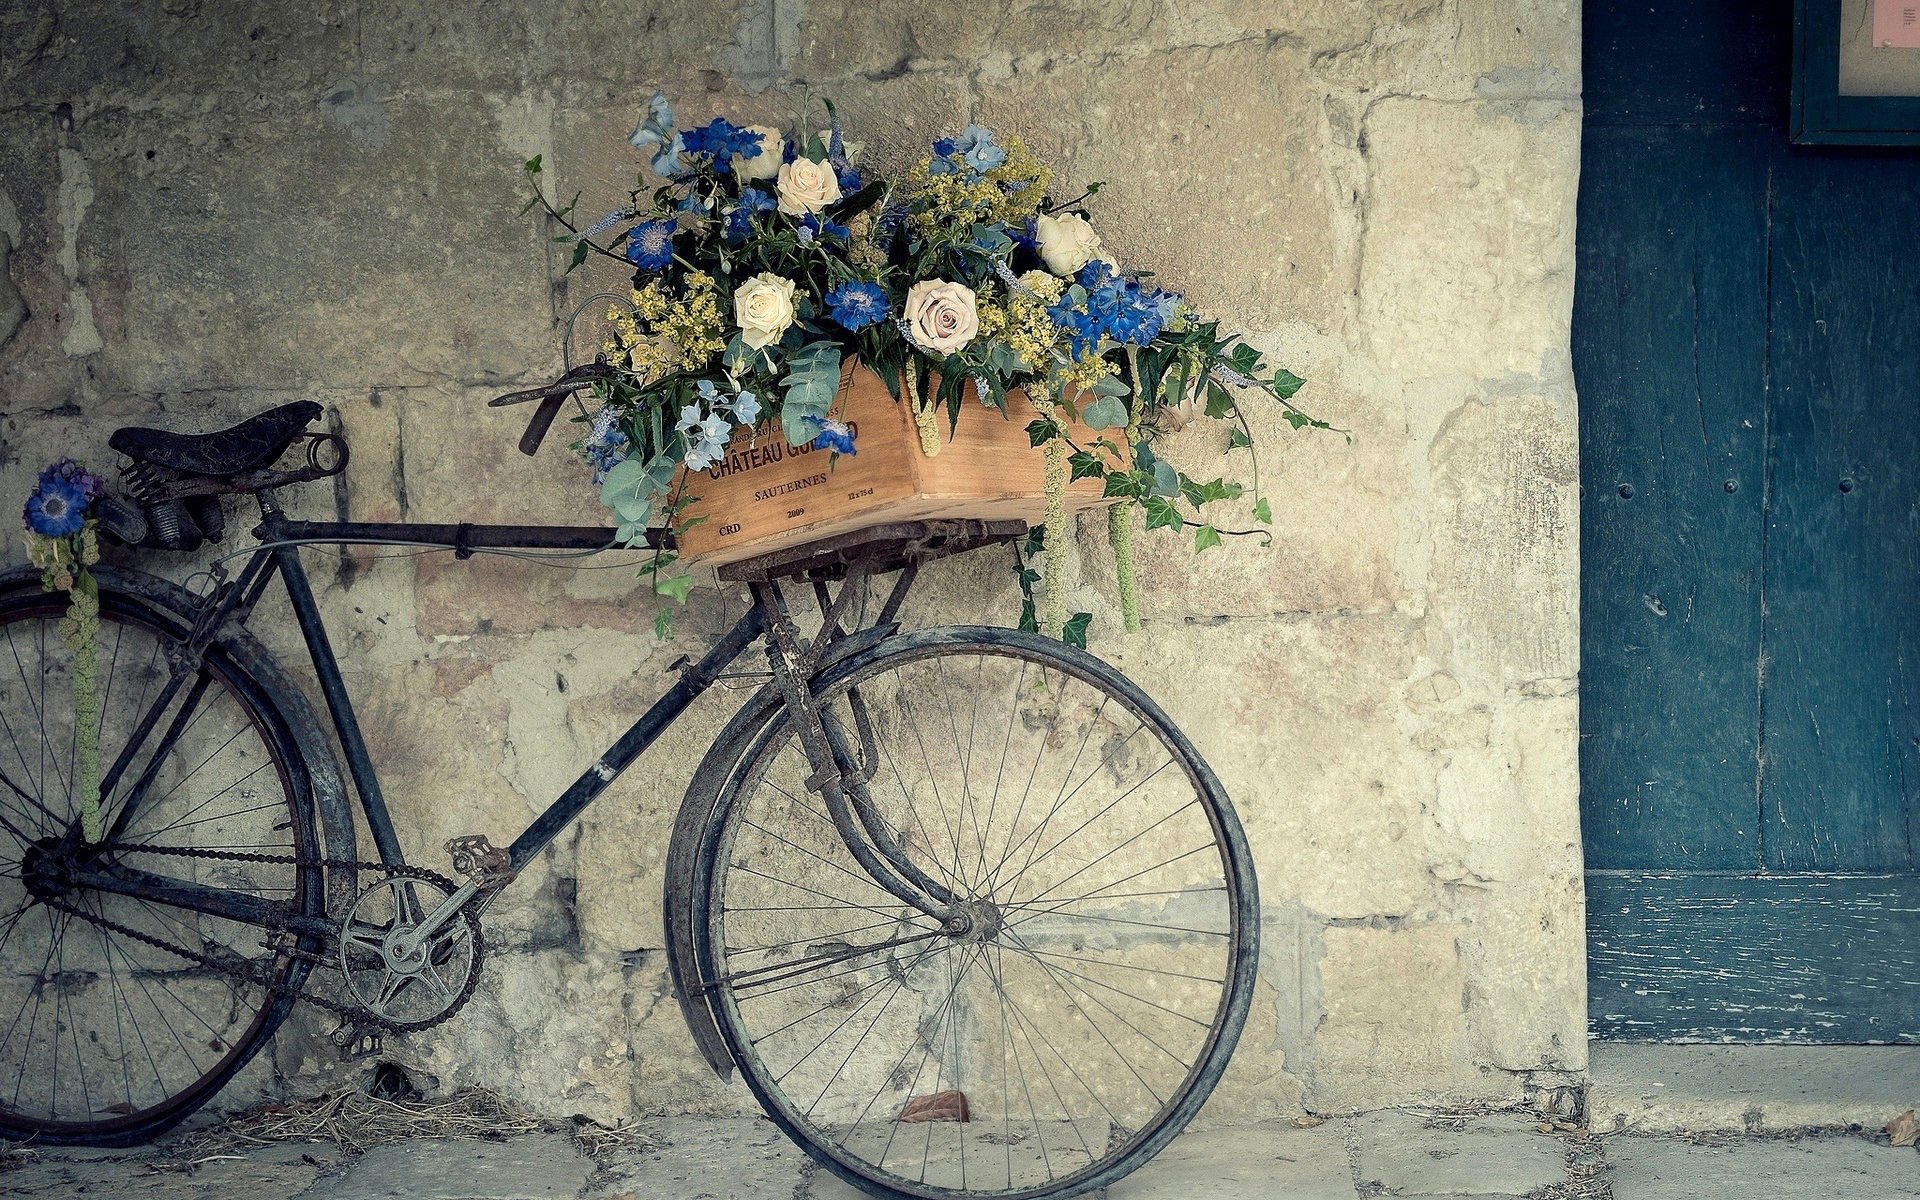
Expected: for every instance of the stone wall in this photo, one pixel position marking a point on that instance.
(208, 207)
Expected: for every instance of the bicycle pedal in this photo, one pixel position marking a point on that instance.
(356, 1042)
(480, 860)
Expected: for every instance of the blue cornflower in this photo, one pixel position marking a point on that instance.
(854, 306)
(834, 435)
(721, 140)
(56, 508)
(650, 245)
(976, 149)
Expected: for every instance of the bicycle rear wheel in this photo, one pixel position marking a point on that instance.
(1101, 979)
(106, 1038)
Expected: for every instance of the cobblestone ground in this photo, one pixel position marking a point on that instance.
(1400, 1153)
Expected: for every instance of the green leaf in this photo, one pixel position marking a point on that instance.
(528, 206)
(1111, 385)
(1205, 537)
(629, 490)
(1074, 632)
(1219, 401)
(813, 379)
(1039, 432)
(1286, 383)
(1166, 480)
(1237, 439)
(1085, 464)
(1108, 412)
(579, 254)
(663, 624)
(1262, 511)
(1161, 514)
(677, 587)
(533, 165)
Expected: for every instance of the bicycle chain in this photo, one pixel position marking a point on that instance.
(354, 1012)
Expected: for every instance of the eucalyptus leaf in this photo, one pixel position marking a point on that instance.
(813, 379)
(1107, 412)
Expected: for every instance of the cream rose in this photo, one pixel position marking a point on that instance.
(941, 316)
(763, 309)
(805, 186)
(1067, 242)
(766, 164)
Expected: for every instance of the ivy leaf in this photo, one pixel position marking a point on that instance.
(1262, 511)
(663, 624)
(1085, 464)
(1219, 401)
(1108, 412)
(533, 165)
(1205, 537)
(677, 587)
(1074, 632)
(813, 379)
(1286, 383)
(1237, 439)
(1161, 514)
(579, 254)
(1039, 432)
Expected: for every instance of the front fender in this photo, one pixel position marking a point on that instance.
(697, 811)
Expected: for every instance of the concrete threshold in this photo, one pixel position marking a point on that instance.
(1748, 1089)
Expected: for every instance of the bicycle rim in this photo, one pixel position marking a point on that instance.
(1094, 1000)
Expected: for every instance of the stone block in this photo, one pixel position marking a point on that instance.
(678, 1156)
(1395, 1028)
(309, 248)
(1233, 209)
(529, 1167)
(1506, 530)
(1406, 1154)
(1247, 1160)
(1796, 1169)
(1469, 240)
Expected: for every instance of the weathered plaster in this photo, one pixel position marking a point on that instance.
(212, 208)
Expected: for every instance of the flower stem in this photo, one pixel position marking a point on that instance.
(1053, 610)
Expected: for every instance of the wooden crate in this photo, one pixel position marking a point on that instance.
(767, 495)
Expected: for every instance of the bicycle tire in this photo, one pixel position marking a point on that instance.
(256, 685)
(1241, 959)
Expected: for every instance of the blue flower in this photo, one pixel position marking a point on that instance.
(606, 444)
(834, 435)
(721, 140)
(56, 508)
(1106, 304)
(656, 133)
(977, 150)
(943, 163)
(849, 177)
(752, 202)
(814, 224)
(746, 408)
(706, 437)
(650, 245)
(854, 306)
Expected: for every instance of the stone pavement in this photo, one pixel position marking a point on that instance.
(1404, 1154)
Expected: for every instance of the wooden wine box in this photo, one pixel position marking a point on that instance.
(767, 495)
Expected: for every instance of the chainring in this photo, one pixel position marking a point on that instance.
(401, 982)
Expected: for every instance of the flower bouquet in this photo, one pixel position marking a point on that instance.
(775, 270)
(63, 541)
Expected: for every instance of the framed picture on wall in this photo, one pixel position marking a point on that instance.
(1856, 72)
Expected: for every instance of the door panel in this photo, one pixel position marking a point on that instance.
(1671, 359)
(1841, 772)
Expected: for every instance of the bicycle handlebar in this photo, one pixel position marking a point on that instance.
(551, 397)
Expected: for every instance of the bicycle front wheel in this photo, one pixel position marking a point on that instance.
(1078, 1012)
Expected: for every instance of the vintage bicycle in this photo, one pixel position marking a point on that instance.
(964, 908)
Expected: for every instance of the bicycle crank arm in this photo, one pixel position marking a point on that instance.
(405, 944)
(179, 893)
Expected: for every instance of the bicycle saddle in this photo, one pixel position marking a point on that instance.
(253, 443)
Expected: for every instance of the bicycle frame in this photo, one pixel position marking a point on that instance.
(827, 743)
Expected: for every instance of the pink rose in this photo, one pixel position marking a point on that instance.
(941, 316)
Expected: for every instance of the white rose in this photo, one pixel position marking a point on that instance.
(941, 316)
(1067, 242)
(766, 164)
(763, 309)
(806, 186)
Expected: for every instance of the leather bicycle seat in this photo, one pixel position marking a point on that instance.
(253, 443)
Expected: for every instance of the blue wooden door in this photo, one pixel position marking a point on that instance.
(1747, 351)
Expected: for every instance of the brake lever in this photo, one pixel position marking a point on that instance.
(551, 397)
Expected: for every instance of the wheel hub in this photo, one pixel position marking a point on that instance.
(43, 869)
(976, 920)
